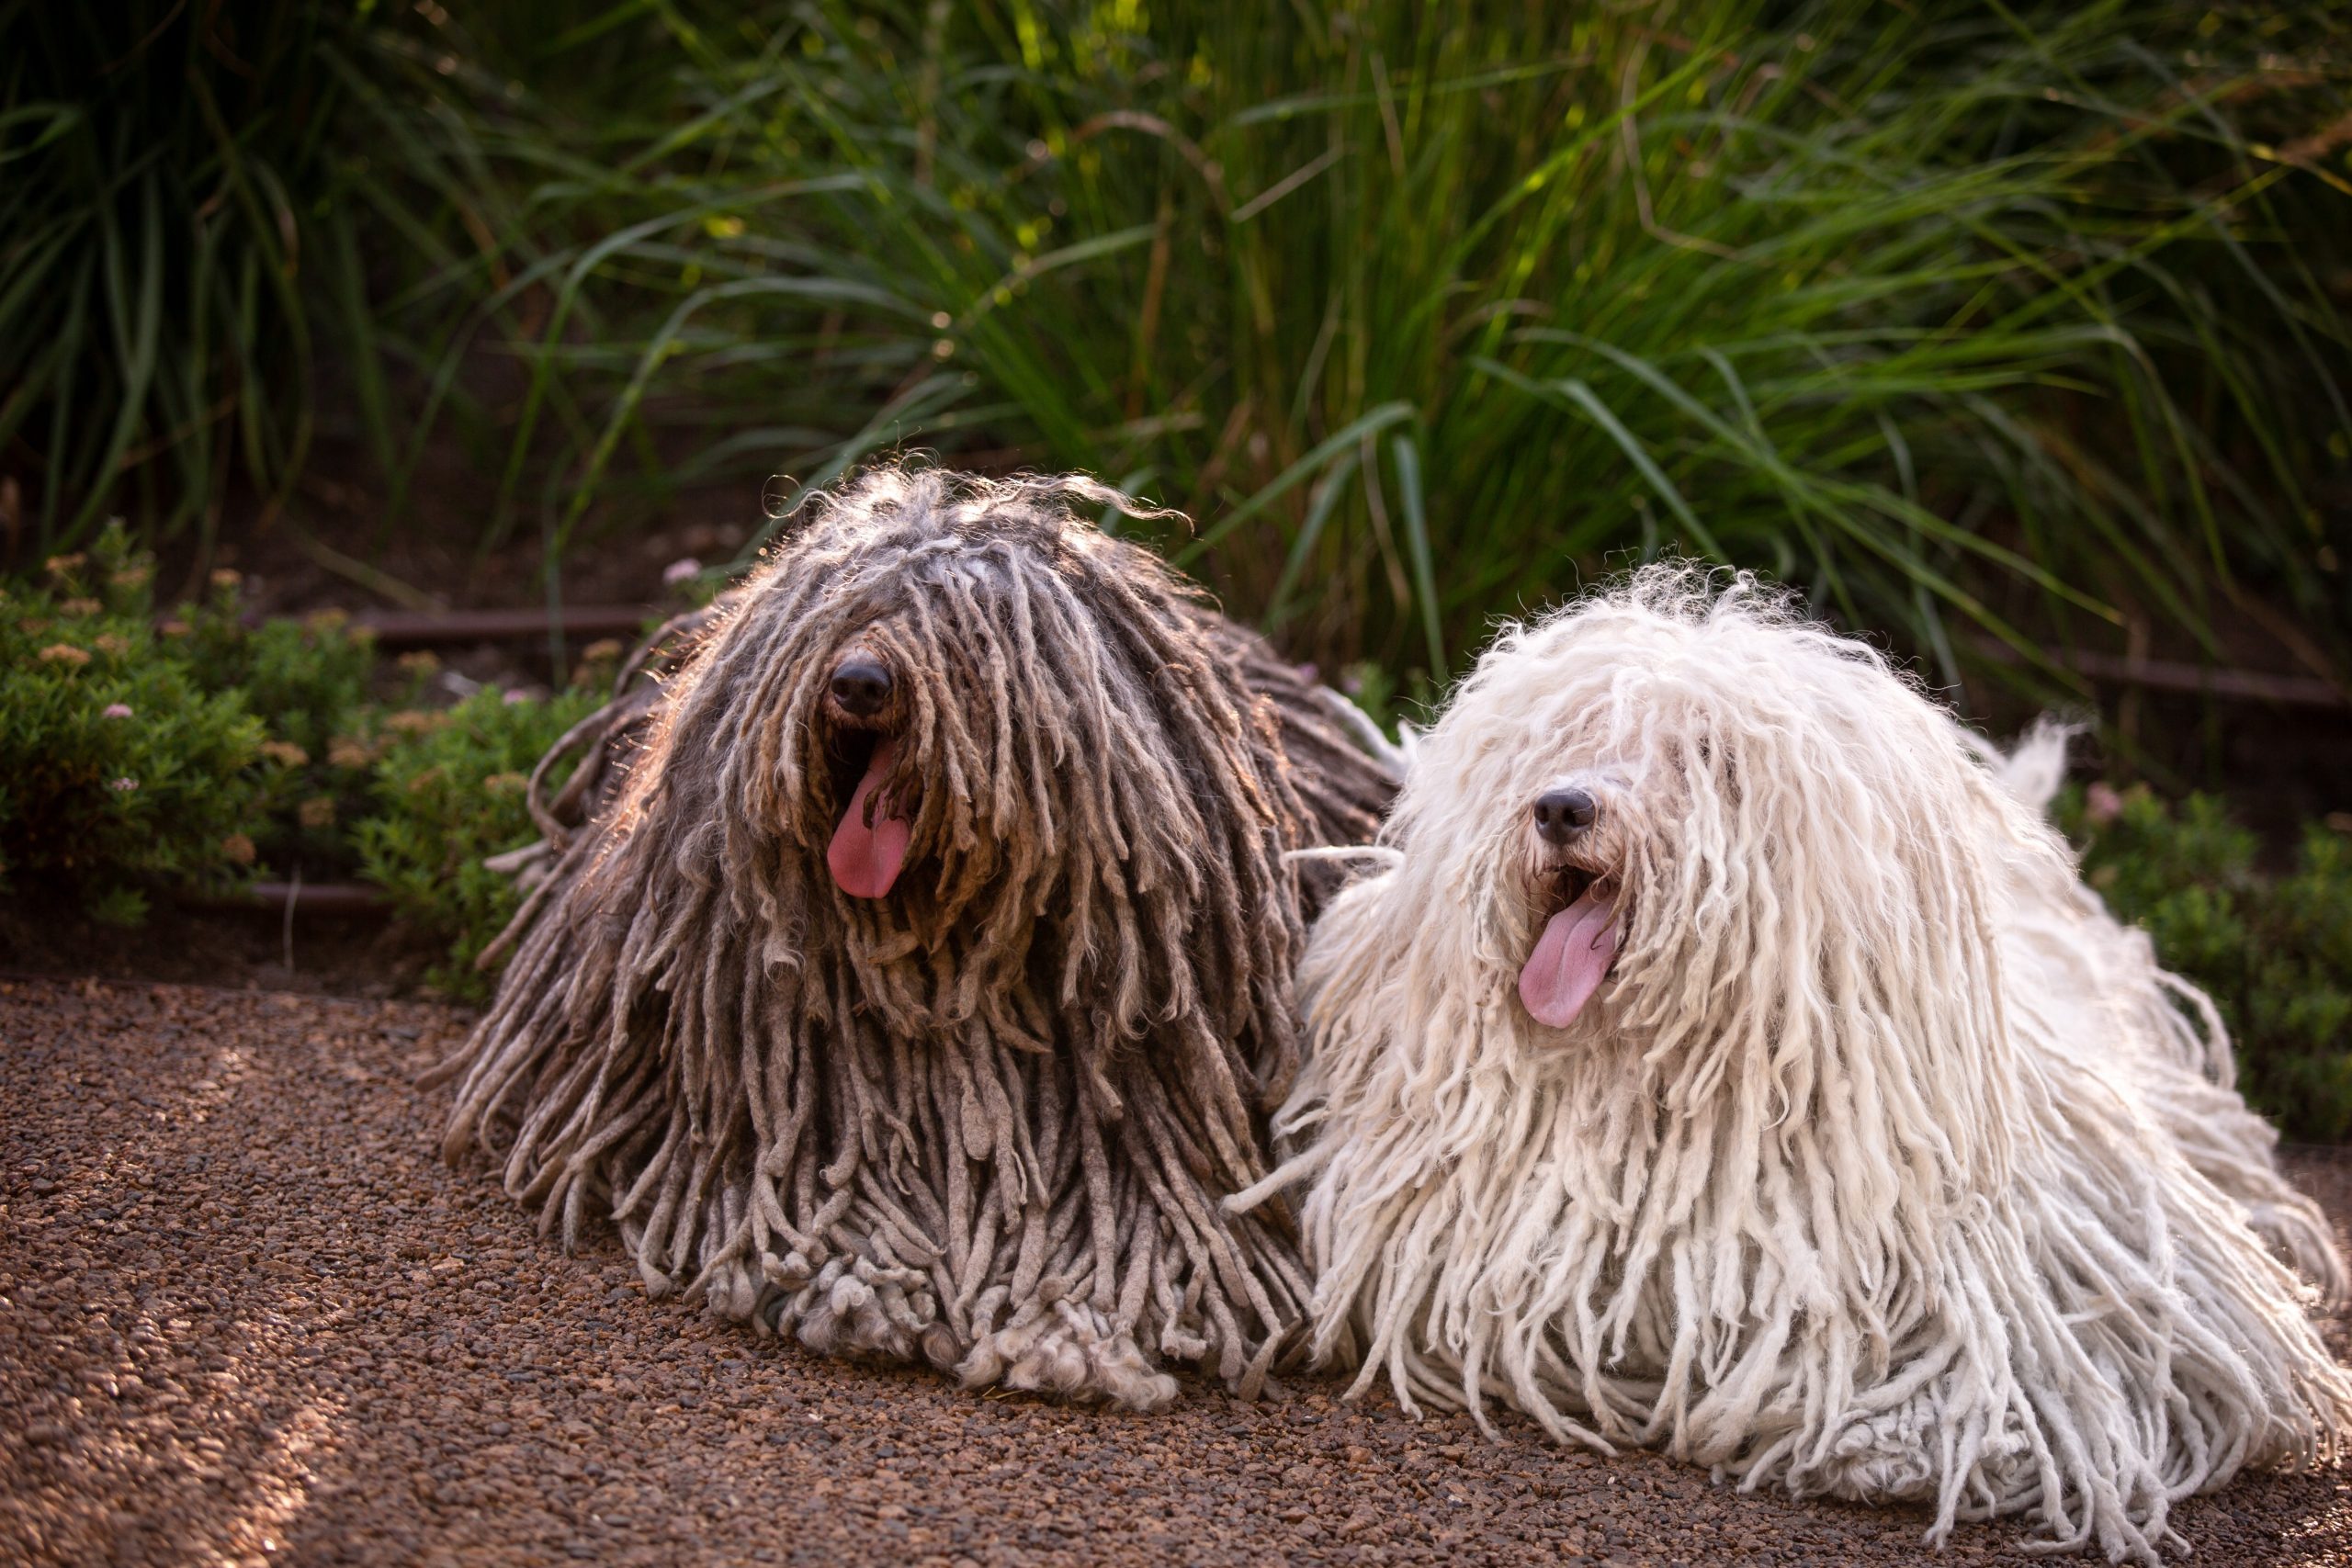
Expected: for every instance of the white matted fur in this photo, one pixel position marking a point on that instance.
(1882, 1164)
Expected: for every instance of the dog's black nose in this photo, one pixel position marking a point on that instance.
(1562, 814)
(861, 687)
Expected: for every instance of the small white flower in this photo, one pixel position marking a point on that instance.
(685, 568)
(123, 786)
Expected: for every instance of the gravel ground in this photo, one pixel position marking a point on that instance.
(246, 1314)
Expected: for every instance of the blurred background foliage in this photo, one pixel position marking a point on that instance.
(220, 220)
(184, 755)
(2274, 951)
(1998, 328)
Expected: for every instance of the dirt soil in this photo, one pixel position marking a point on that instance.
(247, 1315)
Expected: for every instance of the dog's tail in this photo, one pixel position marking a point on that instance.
(1397, 754)
(2033, 768)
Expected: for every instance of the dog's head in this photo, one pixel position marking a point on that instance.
(950, 715)
(1680, 813)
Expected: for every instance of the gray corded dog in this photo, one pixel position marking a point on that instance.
(919, 980)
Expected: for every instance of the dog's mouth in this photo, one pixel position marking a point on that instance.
(1574, 951)
(869, 843)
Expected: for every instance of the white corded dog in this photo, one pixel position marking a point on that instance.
(1728, 1059)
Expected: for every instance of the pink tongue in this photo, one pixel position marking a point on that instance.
(1569, 960)
(870, 845)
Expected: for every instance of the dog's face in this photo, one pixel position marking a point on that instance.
(1573, 872)
(950, 699)
(1644, 802)
(962, 729)
(918, 707)
(863, 712)
(1546, 787)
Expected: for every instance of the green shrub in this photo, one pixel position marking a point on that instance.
(449, 793)
(308, 683)
(304, 679)
(2274, 953)
(139, 760)
(122, 772)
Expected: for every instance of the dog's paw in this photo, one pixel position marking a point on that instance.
(1897, 1455)
(1069, 1351)
(1879, 1461)
(854, 1307)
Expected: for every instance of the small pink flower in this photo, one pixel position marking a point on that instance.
(123, 786)
(117, 710)
(513, 697)
(2101, 804)
(685, 568)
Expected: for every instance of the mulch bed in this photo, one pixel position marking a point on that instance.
(247, 1315)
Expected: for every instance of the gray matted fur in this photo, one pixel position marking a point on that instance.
(986, 1119)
